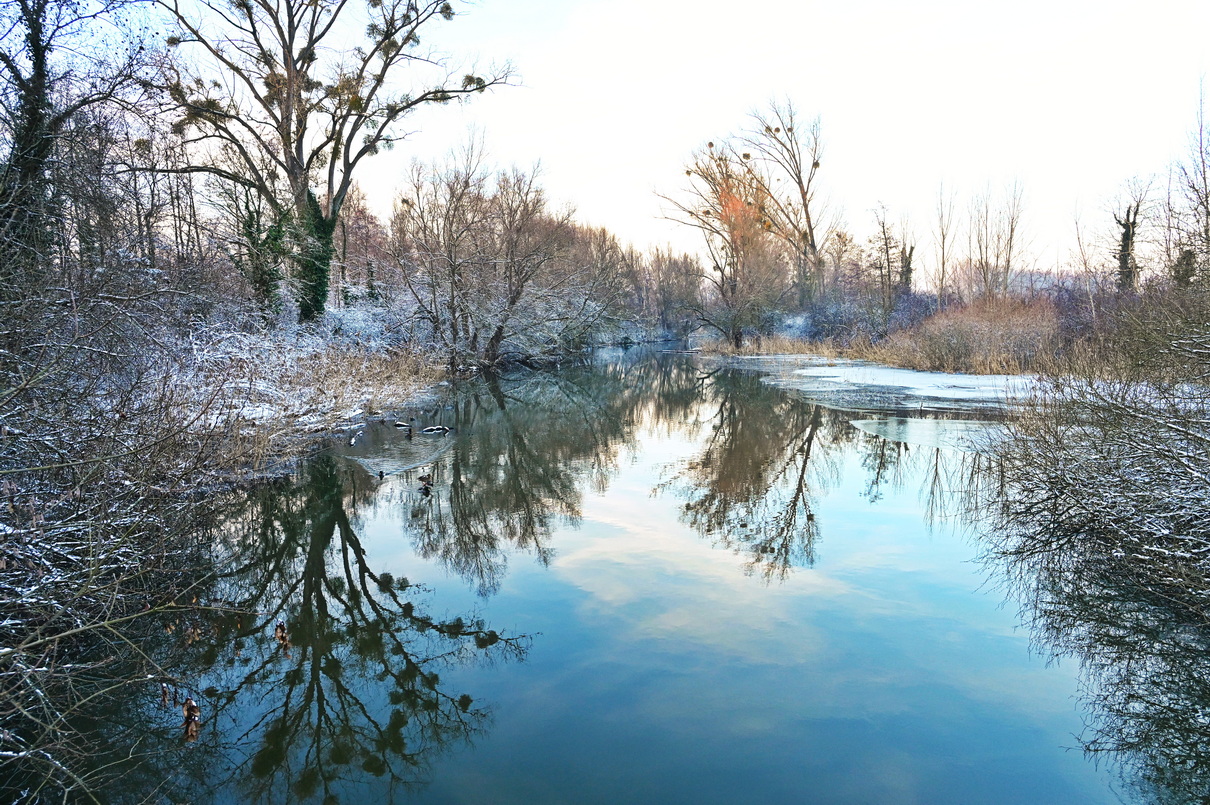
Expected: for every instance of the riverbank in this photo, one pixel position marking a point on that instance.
(278, 392)
(1002, 336)
(114, 435)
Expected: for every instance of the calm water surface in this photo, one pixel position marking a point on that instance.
(652, 581)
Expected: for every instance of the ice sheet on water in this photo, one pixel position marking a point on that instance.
(965, 435)
(863, 386)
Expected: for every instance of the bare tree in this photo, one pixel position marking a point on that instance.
(782, 158)
(287, 91)
(995, 241)
(885, 246)
(361, 251)
(675, 281)
(944, 234)
(1193, 216)
(1090, 269)
(434, 238)
(892, 251)
(495, 273)
(745, 280)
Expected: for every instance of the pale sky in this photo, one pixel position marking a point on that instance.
(1069, 98)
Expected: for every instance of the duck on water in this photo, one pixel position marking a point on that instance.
(438, 430)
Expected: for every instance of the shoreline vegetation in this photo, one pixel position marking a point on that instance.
(1003, 336)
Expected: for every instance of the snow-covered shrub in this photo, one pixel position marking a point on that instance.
(1100, 512)
(839, 317)
(910, 310)
(100, 451)
(1112, 458)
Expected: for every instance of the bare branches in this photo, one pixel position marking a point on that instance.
(753, 202)
(317, 108)
(786, 157)
(995, 241)
(317, 90)
(496, 273)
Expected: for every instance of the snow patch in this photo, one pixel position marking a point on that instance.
(863, 386)
(937, 385)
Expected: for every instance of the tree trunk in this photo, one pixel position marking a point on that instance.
(314, 259)
(1127, 268)
(24, 184)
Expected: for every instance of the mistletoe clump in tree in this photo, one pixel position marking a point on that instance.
(288, 97)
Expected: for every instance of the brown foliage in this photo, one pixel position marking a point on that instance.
(990, 336)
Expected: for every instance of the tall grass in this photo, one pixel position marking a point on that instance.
(988, 337)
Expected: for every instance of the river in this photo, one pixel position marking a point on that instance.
(656, 579)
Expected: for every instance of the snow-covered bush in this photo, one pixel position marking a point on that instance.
(1100, 512)
(1112, 457)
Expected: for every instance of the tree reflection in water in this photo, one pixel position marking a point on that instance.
(327, 671)
(1144, 654)
(527, 448)
(749, 487)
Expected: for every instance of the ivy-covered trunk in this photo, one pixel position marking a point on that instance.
(24, 187)
(260, 260)
(314, 259)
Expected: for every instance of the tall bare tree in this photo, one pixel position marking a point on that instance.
(495, 273)
(944, 234)
(996, 241)
(746, 279)
(302, 92)
(782, 158)
(1186, 232)
(675, 289)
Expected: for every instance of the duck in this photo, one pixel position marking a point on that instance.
(436, 429)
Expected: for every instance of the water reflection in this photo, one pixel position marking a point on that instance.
(515, 467)
(317, 677)
(318, 674)
(1142, 645)
(1145, 661)
(524, 450)
(748, 489)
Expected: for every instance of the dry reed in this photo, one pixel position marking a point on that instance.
(989, 337)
